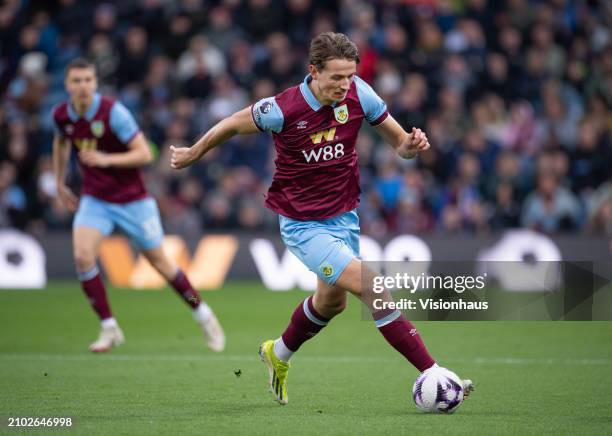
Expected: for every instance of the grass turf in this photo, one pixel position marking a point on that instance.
(531, 377)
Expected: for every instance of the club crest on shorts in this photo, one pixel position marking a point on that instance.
(341, 114)
(327, 270)
(97, 128)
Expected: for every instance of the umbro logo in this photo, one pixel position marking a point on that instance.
(302, 124)
(413, 332)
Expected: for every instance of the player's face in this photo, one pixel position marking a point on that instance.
(81, 84)
(334, 80)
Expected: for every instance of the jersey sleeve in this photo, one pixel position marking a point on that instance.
(267, 115)
(122, 123)
(374, 108)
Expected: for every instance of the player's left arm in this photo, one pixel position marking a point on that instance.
(138, 155)
(126, 130)
(407, 145)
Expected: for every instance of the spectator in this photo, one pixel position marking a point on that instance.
(600, 210)
(507, 92)
(200, 51)
(551, 208)
(12, 198)
(507, 210)
(591, 161)
(134, 58)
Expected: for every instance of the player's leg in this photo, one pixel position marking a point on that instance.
(308, 319)
(399, 332)
(91, 224)
(326, 247)
(140, 220)
(202, 313)
(86, 241)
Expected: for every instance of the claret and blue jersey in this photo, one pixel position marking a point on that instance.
(106, 126)
(315, 188)
(317, 175)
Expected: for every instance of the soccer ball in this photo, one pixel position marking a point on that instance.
(438, 390)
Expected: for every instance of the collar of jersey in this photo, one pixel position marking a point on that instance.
(91, 111)
(312, 101)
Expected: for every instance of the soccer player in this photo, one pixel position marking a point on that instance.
(111, 149)
(315, 191)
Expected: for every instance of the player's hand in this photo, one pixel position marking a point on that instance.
(416, 142)
(67, 197)
(181, 157)
(93, 158)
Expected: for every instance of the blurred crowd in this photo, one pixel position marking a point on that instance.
(514, 95)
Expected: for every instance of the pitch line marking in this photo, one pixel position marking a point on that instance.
(307, 359)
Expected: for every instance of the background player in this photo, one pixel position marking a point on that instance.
(315, 191)
(111, 149)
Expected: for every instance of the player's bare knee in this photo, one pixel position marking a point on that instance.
(84, 260)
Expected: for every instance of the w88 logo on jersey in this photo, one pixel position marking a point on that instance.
(325, 153)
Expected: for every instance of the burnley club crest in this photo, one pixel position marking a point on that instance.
(341, 113)
(97, 128)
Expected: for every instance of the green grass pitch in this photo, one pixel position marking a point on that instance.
(531, 378)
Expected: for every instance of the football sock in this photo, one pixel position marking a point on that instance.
(183, 287)
(404, 337)
(202, 312)
(305, 323)
(109, 323)
(93, 286)
(281, 351)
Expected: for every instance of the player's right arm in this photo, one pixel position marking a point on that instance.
(240, 123)
(61, 156)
